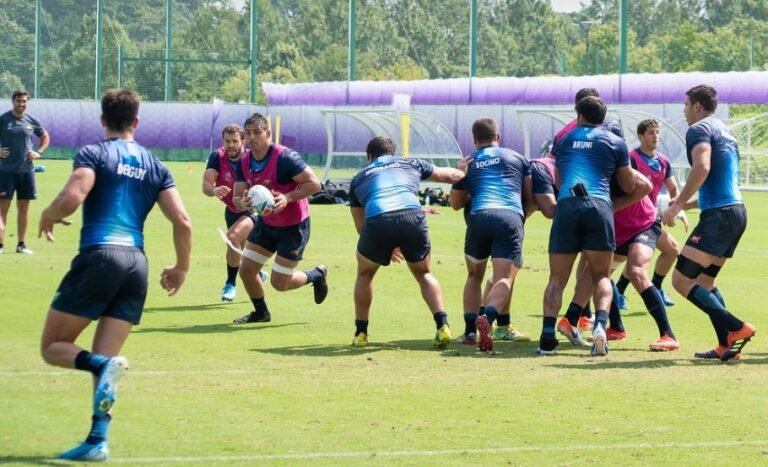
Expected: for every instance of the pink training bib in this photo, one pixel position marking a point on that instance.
(226, 177)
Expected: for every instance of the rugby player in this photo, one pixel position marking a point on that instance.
(392, 227)
(714, 157)
(118, 182)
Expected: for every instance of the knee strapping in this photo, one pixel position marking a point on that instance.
(712, 270)
(256, 257)
(687, 267)
(283, 269)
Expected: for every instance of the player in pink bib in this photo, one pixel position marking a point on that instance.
(219, 181)
(285, 230)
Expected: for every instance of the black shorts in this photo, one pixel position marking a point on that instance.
(22, 184)
(647, 237)
(289, 242)
(582, 223)
(105, 280)
(231, 217)
(719, 230)
(405, 229)
(497, 233)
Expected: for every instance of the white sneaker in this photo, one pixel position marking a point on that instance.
(599, 341)
(24, 250)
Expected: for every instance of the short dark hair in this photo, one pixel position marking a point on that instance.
(705, 95)
(585, 92)
(233, 129)
(19, 93)
(119, 107)
(592, 109)
(645, 124)
(257, 119)
(484, 130)
(380, 146)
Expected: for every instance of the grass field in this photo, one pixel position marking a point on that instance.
(202, 390)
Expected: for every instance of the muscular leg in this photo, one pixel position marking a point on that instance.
(472, 297)
(57, 344)
(366, 270)
(237, 234)
(249, 269)
(669, 249)
(5, 206)
(284, 277)
(600, 270)
(560, 266)
(22, 216)
(637, 264)
(431, 291)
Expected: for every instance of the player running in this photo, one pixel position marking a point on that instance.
(118, 182)
(714, 157)
(587, 158)
(392, 227)
(499, 182)
(285, 230)
(219, 180)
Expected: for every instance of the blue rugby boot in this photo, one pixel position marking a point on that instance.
(85, 452)
(106, 388)
(228, 293)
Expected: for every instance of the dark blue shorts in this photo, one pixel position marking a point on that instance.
(405, 229)
(582, 223)
(22, 184)
(231, 217)
(648, 237)
(719, 230)
(105, 280)
(289, 242)
(497, 233)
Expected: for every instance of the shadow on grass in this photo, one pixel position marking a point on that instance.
(207, 306)
(26, 460)
(601, 363)
(217, 328)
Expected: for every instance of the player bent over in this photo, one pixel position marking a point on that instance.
(714, 158)
(388, 217)
(499, 182)
(285, 230)
(219, 180)
(118, 182)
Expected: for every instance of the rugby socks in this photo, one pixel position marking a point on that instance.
(260, 305)
(722, 333)
(587, 310)
(469, 323)
(481, 311)
(313, 275)
(601, 318)
(655, 306)
(615, 314)
(99, 429)
(90, 362)
(361, 325)
(548, 325)
(622, 284)
(491, 313)
(232, 274)
(503, 321)
(657, 280)
(709, 304)
(441, 319)
(714, 292)
(573, 313)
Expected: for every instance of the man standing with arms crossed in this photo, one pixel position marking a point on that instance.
(714, 157)
(17, 173)
(118, 182)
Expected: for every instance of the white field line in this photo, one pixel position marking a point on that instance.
(443, 452)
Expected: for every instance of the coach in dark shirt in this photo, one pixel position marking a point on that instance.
(17, 173)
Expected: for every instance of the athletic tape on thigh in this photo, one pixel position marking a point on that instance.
(257, 257)
(687, 267)
(283, 269)
(712, 270)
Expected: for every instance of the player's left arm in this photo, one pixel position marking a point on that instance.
(701, 157)
(70, 197)
(642, 186)
(45, 141)
(309, 184)
(446, 175)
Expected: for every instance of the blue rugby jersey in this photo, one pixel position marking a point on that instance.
(389, 183)
(721, 188)
(128, 182)
(590, 156)
(495, 179)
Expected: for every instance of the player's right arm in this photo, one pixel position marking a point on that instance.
(446, 175)
(170, 203)
(70, 197)
(209, 184)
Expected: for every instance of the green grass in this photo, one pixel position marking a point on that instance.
(203, 390)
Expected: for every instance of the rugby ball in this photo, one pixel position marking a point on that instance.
(262, 201)
(662, 202)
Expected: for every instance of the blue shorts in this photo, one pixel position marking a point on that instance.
(231, 217)
(105, 280)
(405, 229)
(719, 230)
(22, 184)
(582, 223)
(288, 242)
(648, 237)
(497, 233)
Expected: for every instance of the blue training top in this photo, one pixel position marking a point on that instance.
(128, 182)
(721, 188)
(495, 178)
(590, 156)
(389, 183)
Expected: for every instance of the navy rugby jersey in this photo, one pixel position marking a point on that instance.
(128, 182)
(389, 183)
(590, 156)
(495, 179)
(721, 188)
(16, 135)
